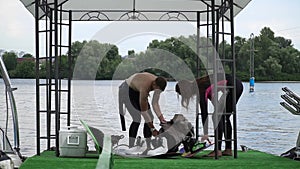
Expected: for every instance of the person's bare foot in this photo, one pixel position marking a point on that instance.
(227, 152)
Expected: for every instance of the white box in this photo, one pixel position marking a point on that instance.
(72, 143)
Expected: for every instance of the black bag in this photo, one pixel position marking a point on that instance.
(178, 130)
(291, 154)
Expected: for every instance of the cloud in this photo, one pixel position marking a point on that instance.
(278, 15)
(17, 26)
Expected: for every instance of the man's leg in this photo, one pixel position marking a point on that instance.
(133, 107)
(147, 130)
(133, 129)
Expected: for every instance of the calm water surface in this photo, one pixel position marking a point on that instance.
(262, 123)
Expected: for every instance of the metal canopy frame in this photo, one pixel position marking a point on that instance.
(53, 15)
(106, 10)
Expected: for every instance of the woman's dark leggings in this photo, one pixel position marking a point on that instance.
(225, 126)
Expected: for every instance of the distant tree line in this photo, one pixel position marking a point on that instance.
(19, 67)
(275, 59)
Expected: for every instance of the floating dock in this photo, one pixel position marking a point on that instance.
(249, 159)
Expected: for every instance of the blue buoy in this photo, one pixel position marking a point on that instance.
(251, 84)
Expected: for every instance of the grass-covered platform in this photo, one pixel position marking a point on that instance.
(246, 160)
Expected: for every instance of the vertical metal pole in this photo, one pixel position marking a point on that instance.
(234, 79)
(217, 36)
(37, 88)
(217, 108)
(198, 43)
(70, 68)
(46, 50)
(48, 87)
(49, 78)
(251, 63)
(214, 55)
(197, 73)
(59, 77)
(208, 43)
(57, 117)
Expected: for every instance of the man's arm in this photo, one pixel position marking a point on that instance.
(144, 101)
(145, 108)
(156, 107)
(145, 114)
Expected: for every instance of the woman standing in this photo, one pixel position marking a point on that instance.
(204, 87)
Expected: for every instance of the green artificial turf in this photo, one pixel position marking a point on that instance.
(246, 160)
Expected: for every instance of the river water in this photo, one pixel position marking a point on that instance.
(263, 124)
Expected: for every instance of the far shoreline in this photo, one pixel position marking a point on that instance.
(169, 80)
(274, 81)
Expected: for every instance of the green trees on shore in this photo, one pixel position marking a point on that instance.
(19, 67)
(275, 59)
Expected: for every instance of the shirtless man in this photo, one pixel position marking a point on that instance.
(134, 92)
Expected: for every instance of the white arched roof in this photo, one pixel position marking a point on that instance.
(138, 9)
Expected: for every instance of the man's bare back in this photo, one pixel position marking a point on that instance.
(141, 82)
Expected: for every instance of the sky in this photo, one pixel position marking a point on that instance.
(17, 25)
